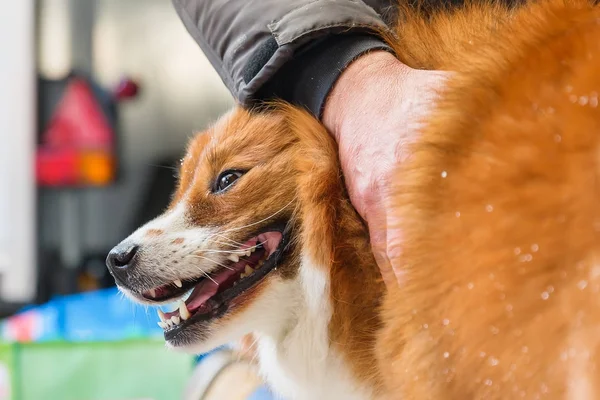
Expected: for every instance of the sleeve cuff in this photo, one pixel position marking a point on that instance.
(307, 80)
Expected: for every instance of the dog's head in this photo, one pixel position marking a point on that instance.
(228, 246)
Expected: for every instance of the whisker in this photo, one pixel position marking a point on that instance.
(163, 166)
(221, 234)
(208, 276)
(170, 268)
(213, 261)
(223, 243)
(220, 251)
(226, 238)
(234, 251)
(232, 244)
(215, 251)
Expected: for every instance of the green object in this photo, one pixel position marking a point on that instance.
(126, 370)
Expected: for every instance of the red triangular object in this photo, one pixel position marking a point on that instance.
(78, 121)
(77, 147)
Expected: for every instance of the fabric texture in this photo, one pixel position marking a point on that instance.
(251, 44)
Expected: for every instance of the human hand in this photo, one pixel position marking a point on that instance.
(375, 109)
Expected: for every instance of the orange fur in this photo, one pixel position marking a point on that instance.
(337, 239)
(499, 210)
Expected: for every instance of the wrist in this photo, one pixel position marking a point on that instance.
(349, 103)
(307, 79)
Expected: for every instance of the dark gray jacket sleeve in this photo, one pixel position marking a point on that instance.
(290, 49)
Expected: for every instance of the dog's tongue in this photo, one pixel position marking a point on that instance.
(209, 287)
(201, 294)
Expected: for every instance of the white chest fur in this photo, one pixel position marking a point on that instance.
(298, 361)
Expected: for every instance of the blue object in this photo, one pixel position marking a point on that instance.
(262, 393)
(200, 357)
(103, 315)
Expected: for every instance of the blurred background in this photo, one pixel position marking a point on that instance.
(98, 99)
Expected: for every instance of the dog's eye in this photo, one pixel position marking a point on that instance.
(226, 179)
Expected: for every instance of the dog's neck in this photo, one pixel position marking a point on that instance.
(325, 349)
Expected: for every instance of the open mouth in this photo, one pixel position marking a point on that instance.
(210, 294)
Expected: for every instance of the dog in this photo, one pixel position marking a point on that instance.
(499, 209)
(261, 232)
(496, 204)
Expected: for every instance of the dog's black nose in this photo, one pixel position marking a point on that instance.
(121, 256)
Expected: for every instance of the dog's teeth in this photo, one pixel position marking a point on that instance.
(161, 315)
(178, 283)
(253, 249)
(234, 257)
(152, 293)
(248, 252)
(183, 311)
(175, 319)
(163, 324)
(169, 322)
(247, 272)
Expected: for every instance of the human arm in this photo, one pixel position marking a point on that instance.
(373, 93)
(255, 46)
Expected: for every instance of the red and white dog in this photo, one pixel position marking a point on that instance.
(261, 238)
(499, 208)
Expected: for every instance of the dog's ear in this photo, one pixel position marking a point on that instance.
(319, 182)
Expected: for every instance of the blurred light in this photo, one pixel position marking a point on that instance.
(78, 143)
(54, 57)
(97, 167)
